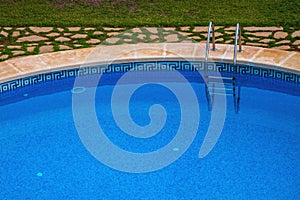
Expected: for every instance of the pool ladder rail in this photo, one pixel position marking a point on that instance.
(222, 85)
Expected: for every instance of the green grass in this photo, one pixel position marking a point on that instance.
(133, 13)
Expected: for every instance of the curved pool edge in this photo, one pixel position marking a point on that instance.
(21, 67)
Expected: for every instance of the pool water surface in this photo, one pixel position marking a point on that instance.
(256, 157)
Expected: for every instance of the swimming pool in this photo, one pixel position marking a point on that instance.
(255, 157)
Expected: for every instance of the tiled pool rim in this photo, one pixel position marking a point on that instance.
(26, 66)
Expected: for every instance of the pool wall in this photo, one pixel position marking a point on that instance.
(149, 66)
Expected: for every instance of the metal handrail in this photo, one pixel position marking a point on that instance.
(213, 39)
(211, 26)
(236, 88)
(238, 40)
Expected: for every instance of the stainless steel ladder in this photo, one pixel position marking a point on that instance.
(222, 85)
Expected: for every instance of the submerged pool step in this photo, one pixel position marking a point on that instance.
(220, 85)
(220, 80)
(217, 85)
(220, 77)
(222, 93)
(218, 92)
(213, 91)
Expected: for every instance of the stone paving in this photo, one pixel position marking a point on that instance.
(20, 41)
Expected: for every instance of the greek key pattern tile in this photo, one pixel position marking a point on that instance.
(150, 66)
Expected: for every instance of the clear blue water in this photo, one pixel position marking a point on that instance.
(256, 157)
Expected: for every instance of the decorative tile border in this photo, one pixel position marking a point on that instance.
(149, 66)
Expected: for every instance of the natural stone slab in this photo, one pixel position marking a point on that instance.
(112, 34)
(284, 47)
(52, 34)
(14, 47)
(232, 28)
(196, 37)
(152, 30)
(89, 29)
(171, 38)
(67, 34)
(283, 42)
(32, 38)
(257, 44)
(255, 28)
(185, 33)
(128, 34)
(64, 47)
(74, 29)
(229, 33)
(98, 33)
(185, 28)
(46, 49)
(113, 29)
(5, 34)
(170, 29)
(296, 34)
(30, 49)
(198, 29)
(218, 27)
(18, 52)
(136, 30)
(93, 41)
(228, 41)
(79, 36)
(297, 42)
(4, 56)
(261, 34)
(127, 40)
(60, 29)
(62, 39)
(280, 35)
(20, 28)
(142, 36)
(15, 33)
(7, 28)
(154, 37)
(253, 38)
(266, 40)
(112, 40)
(41, 29)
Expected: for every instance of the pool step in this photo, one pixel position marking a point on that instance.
(226, 86)
(215, 84)
(222, 85)
(220, 77)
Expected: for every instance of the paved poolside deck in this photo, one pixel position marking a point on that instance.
(105, 54)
